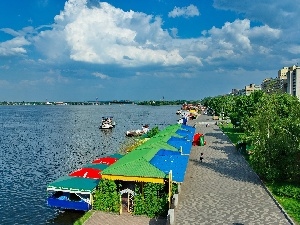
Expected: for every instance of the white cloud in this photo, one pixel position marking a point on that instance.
(108, 35)
(237, 39)
(100, 75)
(103, 34)
(186, 12)
(233, 34)
(10, 31)
(14, 46)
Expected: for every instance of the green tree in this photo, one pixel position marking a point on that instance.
(274, 131)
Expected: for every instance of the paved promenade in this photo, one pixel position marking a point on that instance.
(223, 189)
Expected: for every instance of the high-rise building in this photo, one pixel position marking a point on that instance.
(293, 81)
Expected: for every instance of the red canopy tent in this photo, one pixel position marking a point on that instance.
(105, 160)
(87, 173)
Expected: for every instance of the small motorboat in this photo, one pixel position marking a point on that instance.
(136, 133)
(107, 123)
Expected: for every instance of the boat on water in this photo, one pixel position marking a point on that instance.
(107, 123)
(138, 132)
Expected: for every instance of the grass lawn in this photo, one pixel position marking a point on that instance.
(234, 134)
(291, 205)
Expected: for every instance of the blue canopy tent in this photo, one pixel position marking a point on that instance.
(182, 144)
(176, 163)
(185, 134)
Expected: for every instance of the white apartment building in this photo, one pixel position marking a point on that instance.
(293, 81)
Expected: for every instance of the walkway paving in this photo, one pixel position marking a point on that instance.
(223, 189)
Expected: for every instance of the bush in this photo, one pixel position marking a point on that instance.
(152, 132)
(107, 197)
(152, 202)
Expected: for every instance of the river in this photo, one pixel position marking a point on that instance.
(42, 143)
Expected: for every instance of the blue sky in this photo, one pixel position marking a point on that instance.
(80, 50)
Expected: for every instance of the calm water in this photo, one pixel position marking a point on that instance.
(42, 143)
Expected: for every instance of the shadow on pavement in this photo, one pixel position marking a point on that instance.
(230, 169)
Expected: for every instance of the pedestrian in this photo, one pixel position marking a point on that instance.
(201, 156)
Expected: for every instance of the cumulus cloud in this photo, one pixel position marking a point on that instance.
(189, 11)
(108, 35)
(234, 45)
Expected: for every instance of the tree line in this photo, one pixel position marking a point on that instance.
(271, 125)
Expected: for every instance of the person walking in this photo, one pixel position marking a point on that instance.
(201, 156)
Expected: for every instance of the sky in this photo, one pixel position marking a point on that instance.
(83, 50)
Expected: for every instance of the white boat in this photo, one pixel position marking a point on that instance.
(107, 123)
(135, 133)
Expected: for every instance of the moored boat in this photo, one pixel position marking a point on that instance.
(107, 123)
(138, 132)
